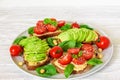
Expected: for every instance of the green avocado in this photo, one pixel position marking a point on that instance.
(79, 35)
(35, 49)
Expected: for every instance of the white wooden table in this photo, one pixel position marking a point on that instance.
(13, 21)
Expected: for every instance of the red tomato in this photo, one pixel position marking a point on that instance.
(61, 23)
(73, 50)
(79, 60)
(51, 28)
(87, 47)
(75, 25)
(39, 23)
(15, 50)
(56, 52)
(53, 19)
(40, 30)
(87, 55)
(103, 43)
(66, 59)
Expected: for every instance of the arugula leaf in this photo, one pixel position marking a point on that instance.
(94, 61)
(80, 54)
(85, 26)
(17, 40)
(68, 70)
(31, 30)
(66, 27)
(67, 44)
(50, 70)
(50, 42)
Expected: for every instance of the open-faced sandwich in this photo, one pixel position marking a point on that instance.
(54, 47)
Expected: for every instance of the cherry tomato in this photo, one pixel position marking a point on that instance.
(39, 23)
(51, 28)
(87, 55)
(56, 52)
(40, 30)
(61, 23)
(75, 25)
(79, 60)
(87, 47)
(103, 43)
(73, 50)
(66, 59)
(15, 50)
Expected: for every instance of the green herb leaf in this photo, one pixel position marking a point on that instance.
(68, 70)
(17, 40)
(80, 54)
(74, 56)
(31, 30)
(50, 70)
(67, 44)
(85, 26)
(94, 61)
(66, 27)
(78, 44)
(49, 21)
(50, 42)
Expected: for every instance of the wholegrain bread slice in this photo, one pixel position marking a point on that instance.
(48, 34)
(34, 65)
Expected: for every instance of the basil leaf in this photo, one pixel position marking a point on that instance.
(85, 26)
(31, 30)
(50, 42)
(47, 21)
(67, 44)
(18, 39)
(66, 27)
(78, 44)
(94, 61)
(50, 70)
(68, 70)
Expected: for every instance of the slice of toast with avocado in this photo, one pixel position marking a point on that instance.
(35, 52)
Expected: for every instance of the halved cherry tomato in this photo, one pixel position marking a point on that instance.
(79, 60)
(75, 25)
(56, 52)
(66, 59)
(61, 23)
(40, 30)
(51, 28)
(73, 50)
(15, 50)
(87, 47)
(87, 54)
(40, 23)
(103, 43)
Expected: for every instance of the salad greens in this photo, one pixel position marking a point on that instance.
(50, 42)
(31, 30)
(85, 26)
(68, 70)
(65, 27)
(94, 61)
(67, 44)
(17, 40)
(49, 70)
(49, 21)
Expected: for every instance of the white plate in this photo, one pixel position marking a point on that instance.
(107, 57)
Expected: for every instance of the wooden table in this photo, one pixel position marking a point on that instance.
(13, 21)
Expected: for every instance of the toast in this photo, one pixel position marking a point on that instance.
(82, 68)
(48, 34)
(34, 65)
